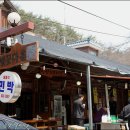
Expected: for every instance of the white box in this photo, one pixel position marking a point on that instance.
(75, 127)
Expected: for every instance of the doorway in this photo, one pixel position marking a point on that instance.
(67, 104)
(22, 108)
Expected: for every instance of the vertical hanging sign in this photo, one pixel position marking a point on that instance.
(95, 93)
(128, 93)
(10, 87)
(115, 93)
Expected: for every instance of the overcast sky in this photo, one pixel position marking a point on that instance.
(116, 11)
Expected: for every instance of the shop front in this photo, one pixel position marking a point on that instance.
(49, 73)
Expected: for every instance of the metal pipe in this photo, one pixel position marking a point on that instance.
(107, 102)
(89, 97)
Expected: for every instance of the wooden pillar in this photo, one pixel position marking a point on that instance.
(107, 101)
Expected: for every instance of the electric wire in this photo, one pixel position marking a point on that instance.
(122, 44)
(94, 15)
(93, 31)
(88, 29)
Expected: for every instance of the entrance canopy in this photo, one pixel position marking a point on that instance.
(55, 50)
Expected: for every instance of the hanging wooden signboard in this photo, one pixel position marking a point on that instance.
(19, 54)
(53, 73)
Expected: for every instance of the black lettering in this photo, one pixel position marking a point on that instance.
(8, 59)
(0, 61)
(23, 55)
(3, 61)
(15, 58)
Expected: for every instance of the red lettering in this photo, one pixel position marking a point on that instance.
(7, 96)
(2, 95)
(6, 77)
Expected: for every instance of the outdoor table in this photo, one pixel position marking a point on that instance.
(42, 127)
(113, 126)
(31, 122)
(35, 122)
(44, 123)
(75, 127)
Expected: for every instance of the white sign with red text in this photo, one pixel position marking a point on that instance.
(10, 87)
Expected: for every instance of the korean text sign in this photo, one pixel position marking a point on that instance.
(10, 87)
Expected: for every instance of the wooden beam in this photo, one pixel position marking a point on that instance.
(110, 77)
(17, 30)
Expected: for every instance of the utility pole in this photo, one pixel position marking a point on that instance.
(64, 37)
(64, 40)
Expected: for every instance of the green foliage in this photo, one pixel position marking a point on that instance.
(52, 30)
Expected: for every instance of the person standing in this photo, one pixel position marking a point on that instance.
(100, 111)
(78, 111)
(125, 113)
(113, 106)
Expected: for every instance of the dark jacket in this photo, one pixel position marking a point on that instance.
(125, 114)
(78, 109)
(98, 114)
(113, 106)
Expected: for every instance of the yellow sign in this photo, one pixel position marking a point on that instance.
(95, 93)
(128, 93)
(115, 93)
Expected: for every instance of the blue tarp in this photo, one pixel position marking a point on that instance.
(7, 123)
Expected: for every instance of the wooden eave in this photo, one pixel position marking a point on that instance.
(17, 30)
(101, 71)
(110, 77)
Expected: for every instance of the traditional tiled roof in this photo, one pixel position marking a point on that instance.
(84, 43)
